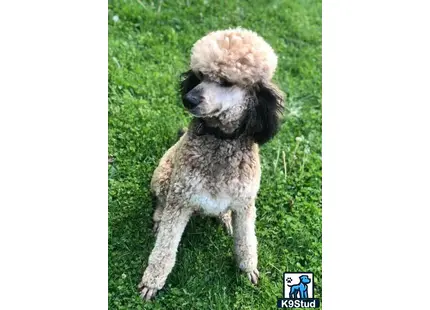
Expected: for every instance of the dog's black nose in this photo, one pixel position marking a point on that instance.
(192, 99)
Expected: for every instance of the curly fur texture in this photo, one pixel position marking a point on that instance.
(214, 168)
(241, 56)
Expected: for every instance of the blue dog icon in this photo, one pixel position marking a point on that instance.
(301, 287)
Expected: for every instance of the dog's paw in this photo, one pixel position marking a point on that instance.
(147, 293)
(253, 276)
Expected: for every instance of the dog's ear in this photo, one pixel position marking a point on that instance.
(189, 80)
(266, 112)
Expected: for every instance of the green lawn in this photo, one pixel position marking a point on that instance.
(149, 46)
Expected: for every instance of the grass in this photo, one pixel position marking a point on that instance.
(149, 46)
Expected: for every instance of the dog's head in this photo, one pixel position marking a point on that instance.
(305, 279)
(229, 84)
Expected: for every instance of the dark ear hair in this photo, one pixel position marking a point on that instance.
(265, 115)
(189, 80)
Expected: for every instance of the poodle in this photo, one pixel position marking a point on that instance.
(214, 168)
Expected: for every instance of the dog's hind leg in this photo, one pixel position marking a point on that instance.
(160, 184)
(293, 291)
(162, 259)
(291, 294)
(245, 240)
(227, 222)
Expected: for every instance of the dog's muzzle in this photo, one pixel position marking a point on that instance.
(192, 99)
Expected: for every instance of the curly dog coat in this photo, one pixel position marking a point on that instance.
(214, 168)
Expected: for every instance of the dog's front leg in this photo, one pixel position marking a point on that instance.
(305, 294)
(158, 214)
(162, 259)
(245, 241)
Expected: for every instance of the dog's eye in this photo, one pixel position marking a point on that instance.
(200, 75)
(225, 83)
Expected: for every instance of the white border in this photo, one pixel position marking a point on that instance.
(53, 148)
(376, 159)
(53, 135)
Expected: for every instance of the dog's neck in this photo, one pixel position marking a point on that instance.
(219, 129)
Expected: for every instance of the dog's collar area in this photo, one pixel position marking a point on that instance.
(204, 129)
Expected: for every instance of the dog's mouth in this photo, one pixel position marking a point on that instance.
(197, 112)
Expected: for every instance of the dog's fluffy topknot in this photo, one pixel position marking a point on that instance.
(238, 55)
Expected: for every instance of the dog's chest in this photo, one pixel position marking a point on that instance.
(210, 204)
(220, 175)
